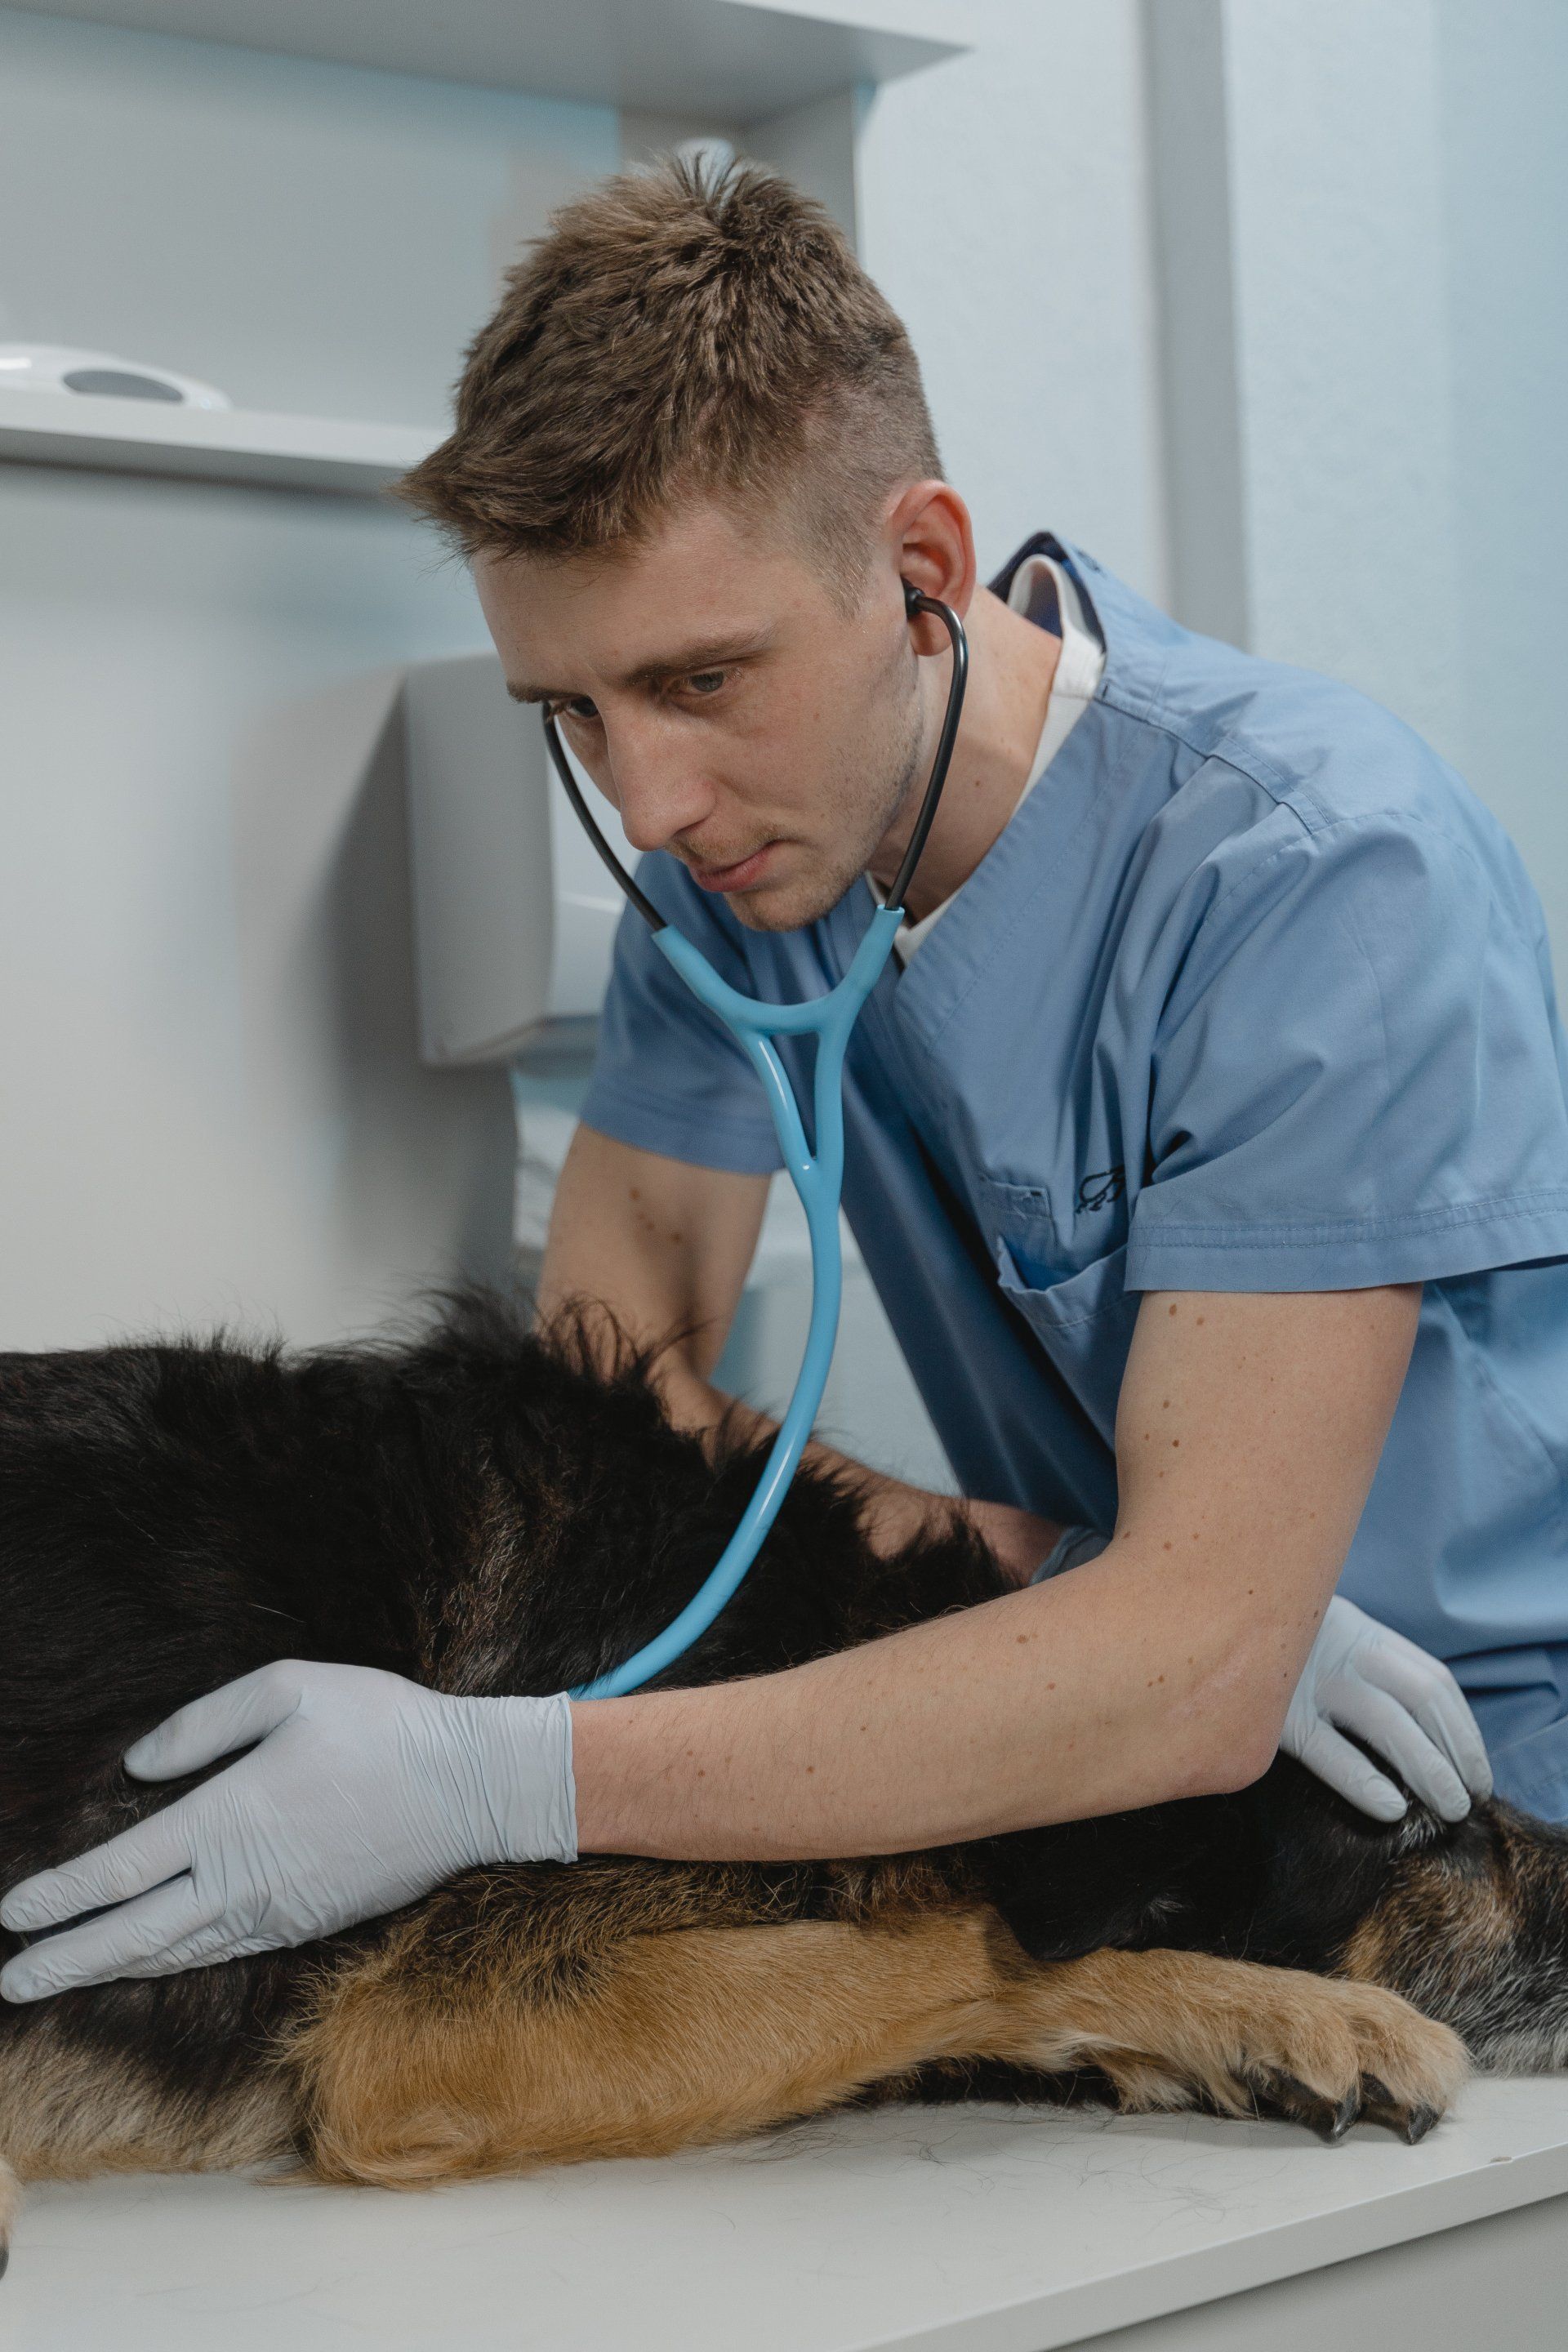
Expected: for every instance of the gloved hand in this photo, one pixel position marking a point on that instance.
(365, 1790)
(1361, 1676)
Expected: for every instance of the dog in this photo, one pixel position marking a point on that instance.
(490, 1509)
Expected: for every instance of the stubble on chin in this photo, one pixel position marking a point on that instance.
(867, 813)
(793, 910)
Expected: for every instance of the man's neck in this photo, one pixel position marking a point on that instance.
(1012, 663)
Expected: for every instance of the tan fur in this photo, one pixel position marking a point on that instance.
(1166, 2026)
(1430, 1915)
(68, 2111)
(1480, 1948)
(709, 2033)
(10, 2196)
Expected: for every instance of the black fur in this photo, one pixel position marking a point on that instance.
(480, 1511)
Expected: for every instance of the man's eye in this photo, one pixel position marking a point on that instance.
(577, 707)
(706, 681)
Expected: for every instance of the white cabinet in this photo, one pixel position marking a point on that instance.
(514, 915)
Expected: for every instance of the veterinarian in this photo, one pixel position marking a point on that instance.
(1207, 1145)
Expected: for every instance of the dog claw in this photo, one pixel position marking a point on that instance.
(1273, 2089)
(1344, 2114)
(1419, 2122)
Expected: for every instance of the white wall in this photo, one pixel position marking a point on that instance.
(1343, 347)
(1363, 214)
(210, 1100)
(1005, 211)
(1502, 106)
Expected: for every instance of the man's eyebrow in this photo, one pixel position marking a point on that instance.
(716, 654)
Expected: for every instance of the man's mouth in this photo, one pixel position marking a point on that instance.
(743, 874)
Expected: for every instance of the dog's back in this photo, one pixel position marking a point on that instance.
(477, 1509)
(486, 1512)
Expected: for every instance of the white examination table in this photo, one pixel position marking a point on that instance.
(956, 2229)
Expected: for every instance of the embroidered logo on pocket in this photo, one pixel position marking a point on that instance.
(1099, 1190)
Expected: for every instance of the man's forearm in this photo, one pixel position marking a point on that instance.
(1103, 1690)
(894, 1512)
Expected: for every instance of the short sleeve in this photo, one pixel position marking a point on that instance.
(667, 1076)
(1356, 1078)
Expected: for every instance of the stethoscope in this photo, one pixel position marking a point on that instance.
(818, 1177)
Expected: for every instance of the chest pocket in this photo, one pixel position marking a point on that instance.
(1076, 1304)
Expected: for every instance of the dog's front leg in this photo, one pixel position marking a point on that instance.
(1183, 2029)
(411, 2074)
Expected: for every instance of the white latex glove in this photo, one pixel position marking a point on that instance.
(364, 1791)
(1361, 1676)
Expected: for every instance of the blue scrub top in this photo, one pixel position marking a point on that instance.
(1251, 994)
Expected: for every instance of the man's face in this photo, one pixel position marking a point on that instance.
(731, 710)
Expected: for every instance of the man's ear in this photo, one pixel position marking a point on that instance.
(930, 541)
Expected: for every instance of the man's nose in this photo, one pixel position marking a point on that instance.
(658, 787)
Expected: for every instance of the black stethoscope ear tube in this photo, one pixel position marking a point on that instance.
(639, 899)
(914, 602)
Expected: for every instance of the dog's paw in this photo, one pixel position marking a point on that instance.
(1279, 2041)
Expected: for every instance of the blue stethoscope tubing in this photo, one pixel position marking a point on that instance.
(817, 1176)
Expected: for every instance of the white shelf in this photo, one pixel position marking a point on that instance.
(231, 444)
(735, 61)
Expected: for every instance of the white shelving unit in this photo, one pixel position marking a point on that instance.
(144, 437)
(738, 61)
(782, 79)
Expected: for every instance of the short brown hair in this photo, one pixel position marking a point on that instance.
(676, 331)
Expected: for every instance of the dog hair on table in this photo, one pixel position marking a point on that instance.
(480, 1508)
